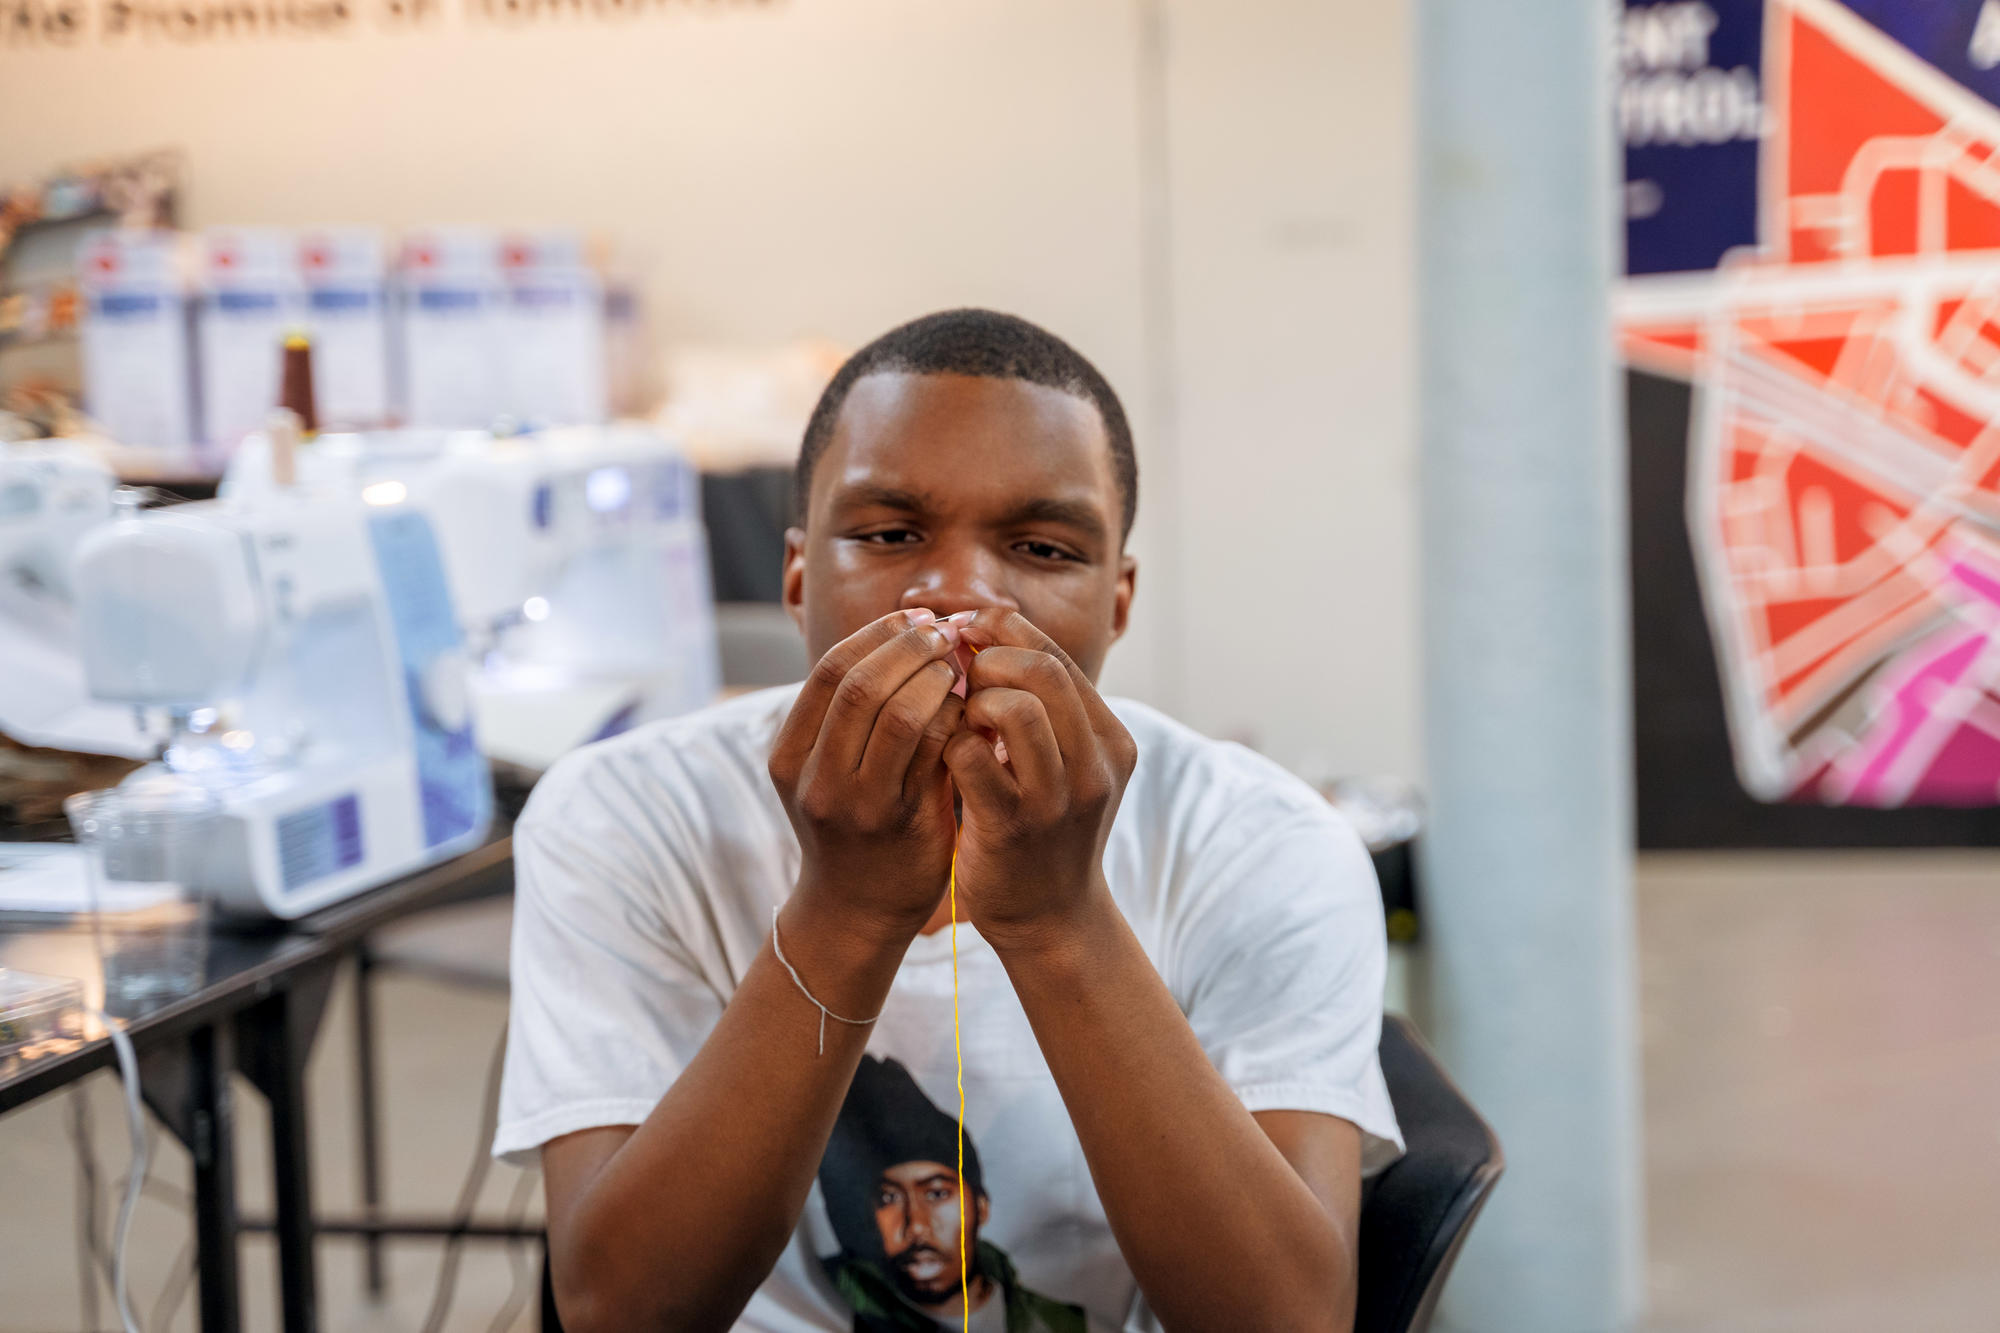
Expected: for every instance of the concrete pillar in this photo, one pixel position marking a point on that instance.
(1526, 682)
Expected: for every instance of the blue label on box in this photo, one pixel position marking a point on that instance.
(535, 298)
(342, 298)
(127, 303)
(438, 299)
(237, 303)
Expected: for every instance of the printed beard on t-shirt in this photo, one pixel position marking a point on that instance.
(896, 1203)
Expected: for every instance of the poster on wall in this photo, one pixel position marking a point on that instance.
(1811, 320)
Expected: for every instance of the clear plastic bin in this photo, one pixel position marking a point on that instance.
(145, 844)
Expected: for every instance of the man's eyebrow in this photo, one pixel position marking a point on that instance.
(867, 495)
(1078, 514)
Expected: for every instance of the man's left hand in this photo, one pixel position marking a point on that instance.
(1034, 822)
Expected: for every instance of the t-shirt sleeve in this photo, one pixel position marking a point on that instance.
(607, 1005)
(1281, 973)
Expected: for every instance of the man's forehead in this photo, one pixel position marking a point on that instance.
(923, 432)
(882, 395)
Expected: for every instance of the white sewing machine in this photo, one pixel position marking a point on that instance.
(51, 494)
(312, 673)
(577, 558)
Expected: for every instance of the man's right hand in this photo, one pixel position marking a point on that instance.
(858, 764)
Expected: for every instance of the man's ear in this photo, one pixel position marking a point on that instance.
(1121, 604)
(984, 1207)
(793, 590)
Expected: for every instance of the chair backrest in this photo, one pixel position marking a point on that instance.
(1416, 1214)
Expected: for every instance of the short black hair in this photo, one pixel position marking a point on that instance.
(975, 342)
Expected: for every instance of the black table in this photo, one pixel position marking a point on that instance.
(259, 1012)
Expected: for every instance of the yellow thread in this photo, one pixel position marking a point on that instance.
(958, 1054)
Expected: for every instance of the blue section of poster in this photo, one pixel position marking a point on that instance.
(1960, 38)
(1690, 111)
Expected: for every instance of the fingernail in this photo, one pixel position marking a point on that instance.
(949, 630)
(960, 617)
(920, 615)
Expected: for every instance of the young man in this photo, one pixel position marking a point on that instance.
(1170, 953)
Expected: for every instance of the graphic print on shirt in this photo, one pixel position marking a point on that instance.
(896, 1206)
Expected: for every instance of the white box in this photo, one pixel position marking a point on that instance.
(345, 273)
(137, 377)
(251, 298)
(449, 308)
(553, 331)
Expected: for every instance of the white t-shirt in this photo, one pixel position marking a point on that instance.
(647, 867)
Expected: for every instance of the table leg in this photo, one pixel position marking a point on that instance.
(365, 1095)
(211, 1057)
(277, 1036)
(291, 1173)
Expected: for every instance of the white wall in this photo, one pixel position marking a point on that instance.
(1293, 221)
(834, 166)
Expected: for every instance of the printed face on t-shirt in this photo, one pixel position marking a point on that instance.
(957, 492)
(918, 1211)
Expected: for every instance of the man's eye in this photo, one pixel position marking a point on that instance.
(938, 1194)
(888, 536)
(1045, 551)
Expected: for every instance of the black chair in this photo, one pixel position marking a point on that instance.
(1415, 1215)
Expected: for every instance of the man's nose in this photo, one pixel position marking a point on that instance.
(961, 577)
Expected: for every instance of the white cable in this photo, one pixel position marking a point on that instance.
(135, 1180)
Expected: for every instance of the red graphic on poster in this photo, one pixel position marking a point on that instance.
(1844, 459)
